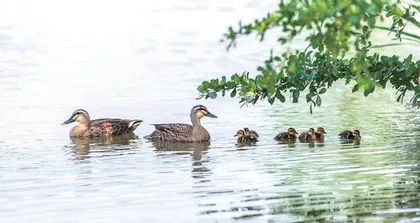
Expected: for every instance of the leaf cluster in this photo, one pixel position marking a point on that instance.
(333, 28)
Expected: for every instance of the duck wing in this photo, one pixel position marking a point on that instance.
(254, 133)
(303, 136)
(112, 127)
(251, 138)
(282, 136)
(346, 134)
(172, 132)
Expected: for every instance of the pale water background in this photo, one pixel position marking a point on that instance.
(138, 59)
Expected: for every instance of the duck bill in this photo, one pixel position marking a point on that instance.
(210, 115)
(235, 135)
(68, 121)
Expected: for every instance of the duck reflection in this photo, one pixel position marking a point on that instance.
(82, 147)
(350, 141)
(179, 148)
(289, 143)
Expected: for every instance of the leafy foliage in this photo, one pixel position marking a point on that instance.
(332, 29)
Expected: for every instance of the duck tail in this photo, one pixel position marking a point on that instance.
(134, 124)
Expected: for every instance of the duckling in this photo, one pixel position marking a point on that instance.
(177, 132)
(243, 137)
(320, 133)
(100, 127)
(251, 132)
(350, 135)
(307, 136)
(286, 136)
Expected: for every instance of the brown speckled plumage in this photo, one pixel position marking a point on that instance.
(251, 132)
(320, 133)
(347, 134)
(307, 136)
(246, 136)
(290, 135)
(177, 132)
(100, 127)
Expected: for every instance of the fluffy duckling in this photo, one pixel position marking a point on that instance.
(245, 138)
(251, 132)
(286, 136)
(320, 133)
(350, 135)
(307, 136)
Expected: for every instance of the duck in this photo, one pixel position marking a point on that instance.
(286, 136)
(243, 137)
(320, 133)
(105, 127)
(307, 136)
(347, 134)
(177, 132)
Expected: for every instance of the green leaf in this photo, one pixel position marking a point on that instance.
(233, 93)
(355, 88)
(318, 100)
(213, 95)
(322, 91)
(281, 98)
(334, 71)
(399, 98)
(271, 100)
(365, 29)
(223, 80)
(371, 21)
(236, 78)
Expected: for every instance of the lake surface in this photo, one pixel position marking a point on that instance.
(135, 60)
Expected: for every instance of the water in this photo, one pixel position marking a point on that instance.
(131, 60)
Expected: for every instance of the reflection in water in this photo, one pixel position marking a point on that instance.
(242, 145)
(179, 148)
(350, 141)
(289, 143)
(82, 147)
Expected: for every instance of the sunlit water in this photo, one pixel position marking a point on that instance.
(138, 60)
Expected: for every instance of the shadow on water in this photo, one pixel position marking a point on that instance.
(104, 146)
(196, 149)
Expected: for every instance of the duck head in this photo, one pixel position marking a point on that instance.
(80, 115)
(321, 131)
(240, 134)
(292, 131)
(356, 134)
(200, 111)
(311, 133)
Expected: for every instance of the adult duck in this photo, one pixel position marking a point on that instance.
(104, 127)
(177, 132)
